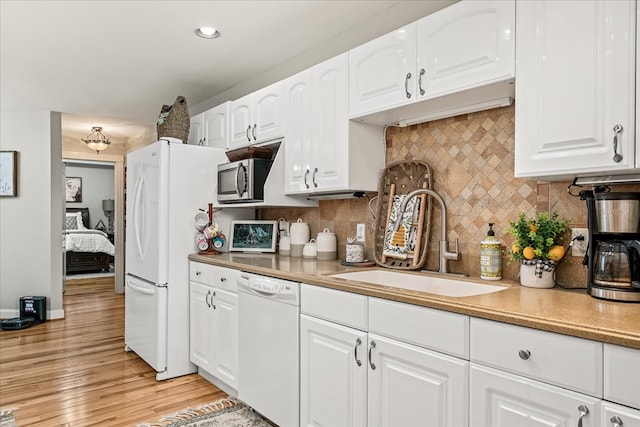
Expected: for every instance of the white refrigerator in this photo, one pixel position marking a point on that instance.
(167, 182)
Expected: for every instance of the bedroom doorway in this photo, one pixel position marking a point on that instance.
(94, 195)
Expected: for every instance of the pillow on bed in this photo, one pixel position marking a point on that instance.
(74, 221)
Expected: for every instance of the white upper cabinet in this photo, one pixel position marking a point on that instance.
(196, 129)
(464, 46)
(324, 152)
(257, 117)
(216, 126)
(575, 86)
(468, 44)
(382, 72)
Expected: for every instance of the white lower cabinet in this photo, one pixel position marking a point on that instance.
(500, 399)
(614, 415)
(412, 386)
(214, 322)
(351, 377)
(333, 374)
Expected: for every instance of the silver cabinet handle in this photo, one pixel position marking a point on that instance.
(198, 273)
(212, 297)
(616, 421)
(355, 352)
(306, 173)
(371, 347)
(206, 298)
(406, 85)
(247, 133)
(223, 279)
(253, 131)
(313, 178)
(524, 354)
(616, 130)
(422, 72)
(584, 411)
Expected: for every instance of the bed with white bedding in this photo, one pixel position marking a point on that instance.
(85, 249)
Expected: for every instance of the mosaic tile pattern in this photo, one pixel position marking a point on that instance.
(472, 158)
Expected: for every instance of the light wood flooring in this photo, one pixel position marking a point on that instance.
(74, 371)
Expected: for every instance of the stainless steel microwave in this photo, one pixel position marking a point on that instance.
(242, 181)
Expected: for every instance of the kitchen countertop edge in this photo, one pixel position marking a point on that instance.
(553, 310)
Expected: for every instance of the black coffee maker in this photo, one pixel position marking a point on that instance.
(613, 255)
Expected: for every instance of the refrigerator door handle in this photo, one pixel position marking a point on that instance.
(137, 216)
(139, 289)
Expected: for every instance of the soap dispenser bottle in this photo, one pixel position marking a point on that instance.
(490, 256)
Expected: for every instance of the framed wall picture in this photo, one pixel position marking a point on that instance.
(8, 173)
(73, 189)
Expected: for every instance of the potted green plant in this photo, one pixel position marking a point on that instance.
(537, 247)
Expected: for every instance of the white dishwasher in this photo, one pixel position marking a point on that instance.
(269, 330)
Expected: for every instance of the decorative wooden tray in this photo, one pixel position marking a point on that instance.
(402, 178)
(249, 153)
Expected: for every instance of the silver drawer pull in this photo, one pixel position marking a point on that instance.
(584, 411)
(616, 421)
(198, 273)
(371, 347)
(422, 71)
(524, 354)
(355, 352)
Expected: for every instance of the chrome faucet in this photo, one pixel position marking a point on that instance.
(445, 255)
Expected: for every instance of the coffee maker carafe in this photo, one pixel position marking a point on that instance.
(614, 252)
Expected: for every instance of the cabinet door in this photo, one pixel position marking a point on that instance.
(499, 399)
(575, 81)
(333, 374)
(330, 165)
(240, 122)
(216, 125)
(382, 72)
(267, 114)
(467, 44)
(619, 416)
(411, 386)
(196, 129)
(199, 321)
(224, 345)
(298, 133)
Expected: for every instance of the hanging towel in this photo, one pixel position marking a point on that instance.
(399, 244)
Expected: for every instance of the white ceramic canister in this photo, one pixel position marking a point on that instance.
(299, 232)
(284, 247)
(327, 245)
(310, 249)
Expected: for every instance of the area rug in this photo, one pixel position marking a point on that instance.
(227, 412)
(6, 418)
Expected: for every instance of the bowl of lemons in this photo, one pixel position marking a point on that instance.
(538, 247)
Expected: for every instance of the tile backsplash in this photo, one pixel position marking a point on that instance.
(472, 159)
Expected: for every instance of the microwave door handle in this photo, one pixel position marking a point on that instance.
(241, 180)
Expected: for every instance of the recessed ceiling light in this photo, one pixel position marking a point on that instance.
(207, 32)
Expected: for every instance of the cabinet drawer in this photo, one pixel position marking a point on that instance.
(570, 362)
(200, 272)
(626, 417)
(622, 375)
(336, 306)
(425, 327)
(225, 278)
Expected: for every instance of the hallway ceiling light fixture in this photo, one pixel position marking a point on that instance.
(96, 139)
(207, 33)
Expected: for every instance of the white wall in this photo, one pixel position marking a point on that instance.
(97, 185)
(31, 224)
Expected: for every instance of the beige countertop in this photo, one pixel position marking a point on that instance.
(556, 310)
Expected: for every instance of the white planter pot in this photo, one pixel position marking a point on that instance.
(530, 279)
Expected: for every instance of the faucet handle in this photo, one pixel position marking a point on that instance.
(457, 252)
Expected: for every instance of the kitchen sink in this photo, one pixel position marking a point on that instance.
(444, 286)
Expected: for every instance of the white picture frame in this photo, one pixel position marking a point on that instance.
(253, 236)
